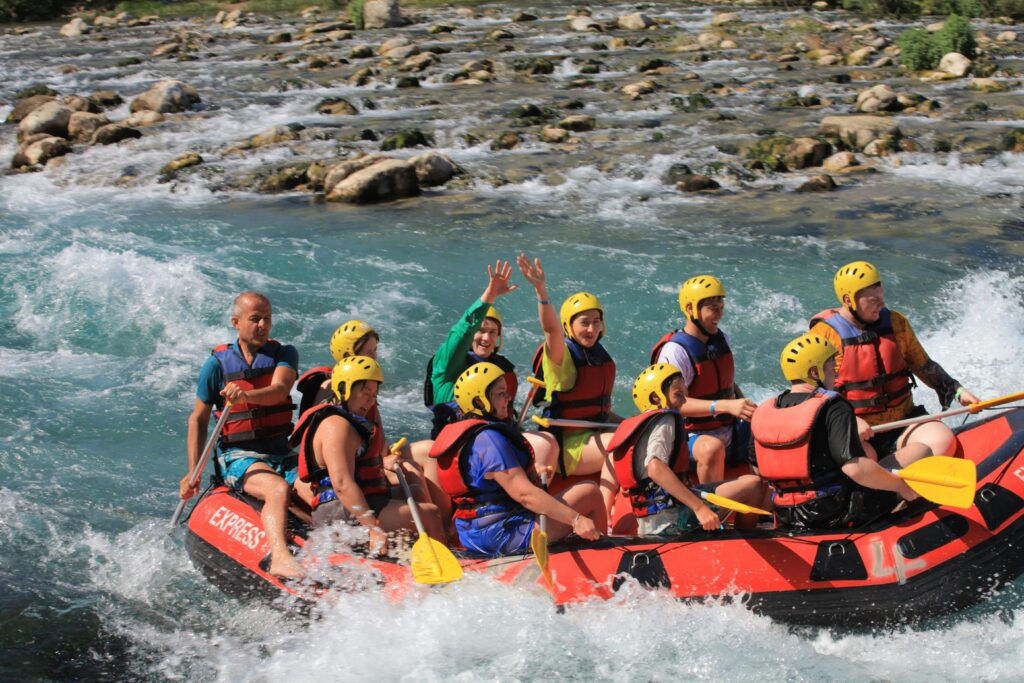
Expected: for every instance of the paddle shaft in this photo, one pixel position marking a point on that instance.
(973, 408)
(577, 424)
(413, 508)
(210, 443)
(536, 384)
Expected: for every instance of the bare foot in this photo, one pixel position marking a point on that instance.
(286, 568)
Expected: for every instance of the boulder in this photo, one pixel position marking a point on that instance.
(507, 140)
(860, 57)
(806, 153)
(819, 183)
(40, 151)
(987, 85)
(859, 130)
(274, 135)
(955, 64)
(554, 134)
(113, 133)
(708, 41)
(360, 52)
(695, 182)
(336, 106)
(391, 44)
(279, 37)
(181, 161)
(501, 34)
(82, 125)
(578, 123)
(419, 62)
(402, 52)
(381, 14)
(829, 60)
(105, 22)
(51, 118)
(79, 103)
(584, 23)
(106, 99)
(723, 18)
(141, 119)
(840, 161)
(404, 139)
(637, 90)
(384, 181)
(166, 96)
(1006, 37)
(878, 98)
(637, 21)
(433, 169)
(341, 170)
(74, 28)
(26, 106)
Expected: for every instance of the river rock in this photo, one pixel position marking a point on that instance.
(840, 161)
(859, 130)
(26, 106)
(806, 153)
(829, 60)
(708, 41)
(275, 135)
(82, 125)
(986, 85)
(584, 23)
(728, 44)
(381, 14)
(141, 119)
(860, 56)
(336, 106)
(637, 21)
(113, 133)
(74, 28)
(578, 123)
(166, 96)
(554, 134)
(878, 98)
(404, 139)
(343, 169)
(51, 118)
(102, 21)
(106, 99)
(520, 17)
(384, 181)
(955, 64)
(419, 62)
(637, 90)
(695, 182)
(360, 52)
(819, 183)
(79, 103)
(723, 18)
(433, 169)
(1006, 37)
(279, 37)
(40, 151)
(180, 162)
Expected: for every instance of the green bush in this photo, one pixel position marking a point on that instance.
(32, 10)
(355, 12)
(918, 49)
(956, 35)
(878, 8)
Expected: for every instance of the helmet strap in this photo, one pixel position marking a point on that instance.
(700, 327)
(863, 323)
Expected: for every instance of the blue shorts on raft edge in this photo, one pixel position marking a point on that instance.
(235, 462)
(509, 536)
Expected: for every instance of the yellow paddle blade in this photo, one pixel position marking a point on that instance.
(539, 546)
(396, 447)
(730, 504)
(432, 562)
(942, 480)
(542, 421)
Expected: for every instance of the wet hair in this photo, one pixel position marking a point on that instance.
(361, 342)
(236, 307)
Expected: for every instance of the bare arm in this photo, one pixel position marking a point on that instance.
(870, 474)
(663, 476)
(554, 341)
(535, 499)
(198, 424)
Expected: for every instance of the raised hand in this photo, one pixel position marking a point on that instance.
(533, 272)
(498, 281)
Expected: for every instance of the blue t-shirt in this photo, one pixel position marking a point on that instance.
(211, 382)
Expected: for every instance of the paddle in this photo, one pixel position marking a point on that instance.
(539, 542)
(973, 408)
(217, 429)
(537, 384)
(729, 503)
(942, 479)
(432, 562)
(577, 424)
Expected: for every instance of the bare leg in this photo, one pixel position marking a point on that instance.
(597, 458)
(748, 489)
(936, 437)
(419, 451)
(585, 498)
(304, 491)
(545, 450)
(709, 453)
(262, 482)
(396, 516)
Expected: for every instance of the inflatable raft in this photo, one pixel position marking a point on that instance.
(923, 561)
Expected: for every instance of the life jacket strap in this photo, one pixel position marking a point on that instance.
(256, 412)
(255, 434)
(248, 373)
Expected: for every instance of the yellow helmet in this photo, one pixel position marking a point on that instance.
(493, 314)
(854, 277)
(353, 369)
(473, 383)
(696, 289)
(345, 338)
(576, 304)
(651, 381)
(804, 353)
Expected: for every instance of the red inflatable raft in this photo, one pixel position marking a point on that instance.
(923, 561)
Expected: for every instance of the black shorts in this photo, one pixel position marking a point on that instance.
(885, 443)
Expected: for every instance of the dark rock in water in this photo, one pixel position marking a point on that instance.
(440, 28)
(407, 82)
(590, 66)
(520, 17)
(806, 153)
(40, 151)
(652, 64)
(361, 52)
(363, 76)
(369, 135)
(501, 34)
(507, 140)
(1013, 141)
(839, 78)
(574, 104)
(284, 179)
(433, 169)
(368, 104)
(795, 100)
(697, 183)
(280, 37)
(289, 84)
(34, 90)
(106, 99)
(819, 183)
(336, 106)
(578, 123)
(113, 133)
(404, 139)
(769, 152)
(691, 103)
(536, 66)
(530, 115)
(976, 110)
(129, 61)
(676, 173)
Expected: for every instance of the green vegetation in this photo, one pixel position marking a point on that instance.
(913, 8)
(957, 35)
(355, 12)
(918, 50)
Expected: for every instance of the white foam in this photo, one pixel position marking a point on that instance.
(998, 174)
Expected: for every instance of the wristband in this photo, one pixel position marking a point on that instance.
(543, 302)
(713, 408)
(574, 520)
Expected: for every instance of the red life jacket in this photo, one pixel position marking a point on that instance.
(248, 423)
(309, 386)
(446, 413)
(782, 445)
(874, 376)
(591, 397)
(645, 496)
(452, 449)
(714, 374)
(369, 465)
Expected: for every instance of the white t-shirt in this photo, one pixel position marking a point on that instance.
(674, 354)
(657, 442)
